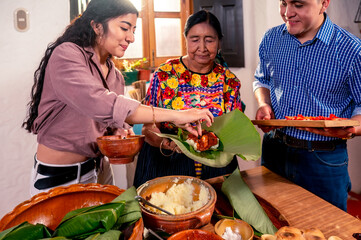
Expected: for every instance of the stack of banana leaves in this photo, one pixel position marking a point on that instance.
(107, 221)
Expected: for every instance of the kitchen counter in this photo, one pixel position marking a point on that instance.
(297, 206)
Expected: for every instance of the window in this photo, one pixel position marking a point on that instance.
(159, 34)
(77, 7)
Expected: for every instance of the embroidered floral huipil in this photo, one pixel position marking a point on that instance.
(175, 87)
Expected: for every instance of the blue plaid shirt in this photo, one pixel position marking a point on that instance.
(316, 78)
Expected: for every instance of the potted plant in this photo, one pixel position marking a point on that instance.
(129, 72)
(143, 69)
(133, 70)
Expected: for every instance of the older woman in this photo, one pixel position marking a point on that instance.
(191, 81)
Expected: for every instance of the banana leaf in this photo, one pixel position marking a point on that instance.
(110, 235)
(56, 238)
(25, 231)
(84, 222)
(237, 135)
(245, 203)
(132, 211)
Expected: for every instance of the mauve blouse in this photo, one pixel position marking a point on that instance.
(77, 103)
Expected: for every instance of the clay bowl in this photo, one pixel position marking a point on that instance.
(119, 150)
(50, 207)
(175, 223)
(237, 226)
(195, 234)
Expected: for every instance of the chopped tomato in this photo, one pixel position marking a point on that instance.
(301, 117)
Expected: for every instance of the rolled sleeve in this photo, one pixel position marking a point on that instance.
(123, 107)
(261, 74)
(257, 84)
(356, 111)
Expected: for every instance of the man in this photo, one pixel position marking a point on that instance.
(312, 67)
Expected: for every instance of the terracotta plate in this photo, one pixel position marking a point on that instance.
(50, 207)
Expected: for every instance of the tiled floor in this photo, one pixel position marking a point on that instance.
(354, 204)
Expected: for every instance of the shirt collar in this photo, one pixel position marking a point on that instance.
(323, 34)
(91, 52)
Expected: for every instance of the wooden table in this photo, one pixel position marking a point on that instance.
(298, 206)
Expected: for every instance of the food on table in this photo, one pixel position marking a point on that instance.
(230, 235)
(301, 117)
(313, 233)
(289, 233)
(268, 237)
(208, 141)
(180, 198)
(293, 233)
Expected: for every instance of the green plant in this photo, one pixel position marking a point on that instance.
(130, 66)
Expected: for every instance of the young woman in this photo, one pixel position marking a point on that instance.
(77, 96)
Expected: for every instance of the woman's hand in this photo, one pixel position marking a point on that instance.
(152, 139)
(124, 132)
(194, 115)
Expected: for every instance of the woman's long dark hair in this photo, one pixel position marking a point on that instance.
(81, 33)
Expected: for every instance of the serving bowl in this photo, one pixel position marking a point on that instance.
(237, 226)
(120, 150)
(195, 234)
(175, 223)
(49, 208)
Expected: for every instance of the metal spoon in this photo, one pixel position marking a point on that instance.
(142, 200)
(154, 234)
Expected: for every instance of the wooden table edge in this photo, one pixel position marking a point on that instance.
(301, 208)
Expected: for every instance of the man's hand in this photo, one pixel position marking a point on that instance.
(339, 132)
(265, 112)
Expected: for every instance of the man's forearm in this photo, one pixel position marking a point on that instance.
(262, 96)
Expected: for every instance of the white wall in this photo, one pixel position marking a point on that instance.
(20, 54)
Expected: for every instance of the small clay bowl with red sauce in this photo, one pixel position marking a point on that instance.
(195, 234)
(120, 150)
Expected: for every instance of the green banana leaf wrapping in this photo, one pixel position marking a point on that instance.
(56, 238)
(237, 135)
(25, 231)
(110, 235)
(81, 223)
(132, 211)
(245, 203)
(87, 221)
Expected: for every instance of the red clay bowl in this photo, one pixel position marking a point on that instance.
(175, 223)
(50, 207)
(119, 150)
(195, 234)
